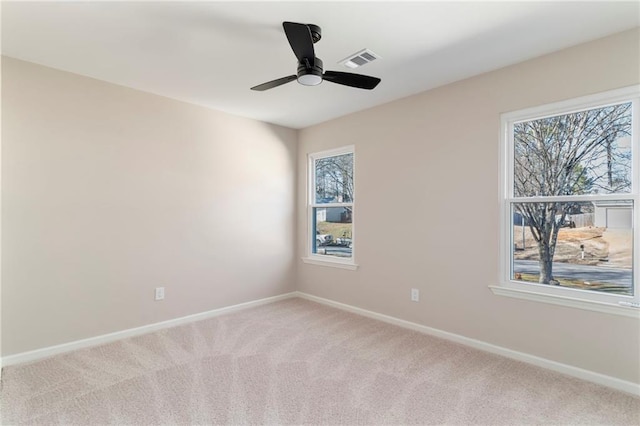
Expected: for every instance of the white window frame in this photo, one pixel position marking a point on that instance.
(576, 298)
(325, 260)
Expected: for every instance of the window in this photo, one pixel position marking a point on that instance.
(570, 186)
(331, 208)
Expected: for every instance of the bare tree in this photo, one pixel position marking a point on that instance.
(571, 154)
(334, 178)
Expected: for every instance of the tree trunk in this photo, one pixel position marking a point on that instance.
(546, 263)
(609, 164)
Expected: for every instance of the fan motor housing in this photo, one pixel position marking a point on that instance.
(310, 76)
(316, 32)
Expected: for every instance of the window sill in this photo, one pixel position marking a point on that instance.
(330, 263)
(590, 305)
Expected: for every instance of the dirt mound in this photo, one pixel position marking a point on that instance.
(620, 243)
(600, 246)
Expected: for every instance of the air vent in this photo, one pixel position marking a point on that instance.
(360, 58)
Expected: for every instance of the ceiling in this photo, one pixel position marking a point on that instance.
(211, 53)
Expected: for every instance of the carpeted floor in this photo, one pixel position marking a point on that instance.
(298, 362)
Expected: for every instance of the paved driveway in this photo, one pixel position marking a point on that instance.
(603, 274)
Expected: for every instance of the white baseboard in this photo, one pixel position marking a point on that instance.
(107, 338)
(612, 382)
(601, 379)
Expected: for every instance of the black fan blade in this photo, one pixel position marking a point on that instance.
(299, 36)
(349, 79)
(274, 83)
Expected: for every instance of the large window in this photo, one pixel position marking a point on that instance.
(331, 206)
(570, 203)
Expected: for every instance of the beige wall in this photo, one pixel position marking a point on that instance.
(109, 192)
(1, 363)
(427, 210)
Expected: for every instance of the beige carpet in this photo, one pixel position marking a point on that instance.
(298, 362)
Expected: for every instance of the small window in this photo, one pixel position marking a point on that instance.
(570, 186)
(331, 206)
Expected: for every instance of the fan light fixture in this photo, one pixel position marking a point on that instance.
(310, 79)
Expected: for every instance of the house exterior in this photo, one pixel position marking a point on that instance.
(613, 214)
(333, 214)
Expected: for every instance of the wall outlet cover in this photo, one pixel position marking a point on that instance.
(159, 293)
(415, 295)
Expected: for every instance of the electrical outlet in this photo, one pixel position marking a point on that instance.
(415, 295)
(159, 293)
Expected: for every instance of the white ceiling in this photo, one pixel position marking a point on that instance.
(211, 53)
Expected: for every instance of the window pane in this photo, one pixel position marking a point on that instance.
(583, 245)
(586, 152)
(334, 179)
(333, 231)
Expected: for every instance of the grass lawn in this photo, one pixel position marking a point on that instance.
(338, 230)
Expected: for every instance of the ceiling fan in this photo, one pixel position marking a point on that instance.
(310, 72)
